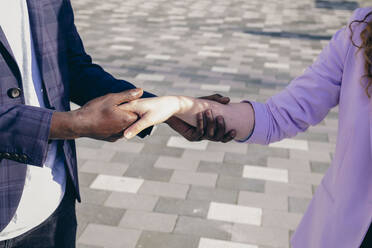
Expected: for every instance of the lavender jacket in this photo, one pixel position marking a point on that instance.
(340, 213)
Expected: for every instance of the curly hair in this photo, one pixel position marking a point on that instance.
(366, 47)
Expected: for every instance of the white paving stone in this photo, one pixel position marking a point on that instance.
(216, 87)
(235, 213)
(271, 174)
(214, 243)
(292, 144)
(150, 77)
(158, 56)
(115, 183)
(180, 142)
(209, 54)
(224, 69)
(122, 47)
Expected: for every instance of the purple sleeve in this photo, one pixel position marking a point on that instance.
(308, 98)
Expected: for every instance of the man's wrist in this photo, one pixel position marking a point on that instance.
(66, 125)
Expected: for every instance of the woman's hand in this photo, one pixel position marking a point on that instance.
(151, 111)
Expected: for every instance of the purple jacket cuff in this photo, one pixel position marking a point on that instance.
(260, 129)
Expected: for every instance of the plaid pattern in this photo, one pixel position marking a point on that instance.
(68, 74)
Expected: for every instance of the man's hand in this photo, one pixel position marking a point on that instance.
(100, 118)
(207, 128)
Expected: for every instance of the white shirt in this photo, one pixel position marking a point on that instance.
(44, 186)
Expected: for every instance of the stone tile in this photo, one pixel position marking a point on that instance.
(265, 201)
(124, 146)
(270, 174)
(192, 208)
(93, 196)
(176, 163)
(305, 178)
(148, 172)
(238, 183)
(94, 154)
(180, 142)
(290, 164)
(100, 167)
(150, 77)
(194, 178)
(148, 221)
(131, 201)
(274, 237)
(280, 219)
(235, 213)
(201, 227)
(228, 147)
(319, 167)
(86, 179)
(164, 189)
(292, 144)
(214, 243)
(98, 214)
(164, 240)
(119, 184)
(211, 194)
(232, 170)
(310, 155)
(109, 236)
(217, 88)
(203, 155)
(298, 205)
(289, 189)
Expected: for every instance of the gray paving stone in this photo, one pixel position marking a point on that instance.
(164, 189)
(238, 183)
(109, 236)
(265, 201)
(221, 168)
(93, 196)
(192, 208)
(98, 214)
(194, 178)
(280, 219)
(203, 228)
(319, 167)
(131, 201)
(148, 221)
(298, 205)
(210, 194)
(99, 167)
(150, 239)
(275, 237)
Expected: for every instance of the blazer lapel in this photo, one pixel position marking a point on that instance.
(4, 43)
(8, 55)
(38, 31)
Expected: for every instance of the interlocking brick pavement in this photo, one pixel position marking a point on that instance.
(165, 192)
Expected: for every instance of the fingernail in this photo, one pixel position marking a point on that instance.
(128, 135)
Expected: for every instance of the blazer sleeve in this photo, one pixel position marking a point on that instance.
(24, 133)
(307, 99)
(89, 80)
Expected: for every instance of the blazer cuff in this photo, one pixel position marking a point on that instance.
(261, 125)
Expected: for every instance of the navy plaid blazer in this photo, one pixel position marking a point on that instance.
(68, 74)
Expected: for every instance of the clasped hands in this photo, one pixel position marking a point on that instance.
(117, 115)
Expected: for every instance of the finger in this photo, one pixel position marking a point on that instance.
(137, 127)
(217, 98)
(210, 124)
(220, 128)
(229, 136)
(199, 125)
(126, 96)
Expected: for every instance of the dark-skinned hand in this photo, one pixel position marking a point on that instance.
(207, 127)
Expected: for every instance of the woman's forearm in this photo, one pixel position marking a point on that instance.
(238, 116)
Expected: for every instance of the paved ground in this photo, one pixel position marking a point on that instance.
(163, 192)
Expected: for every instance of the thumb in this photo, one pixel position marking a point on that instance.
(137, 127)
(126, 96)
